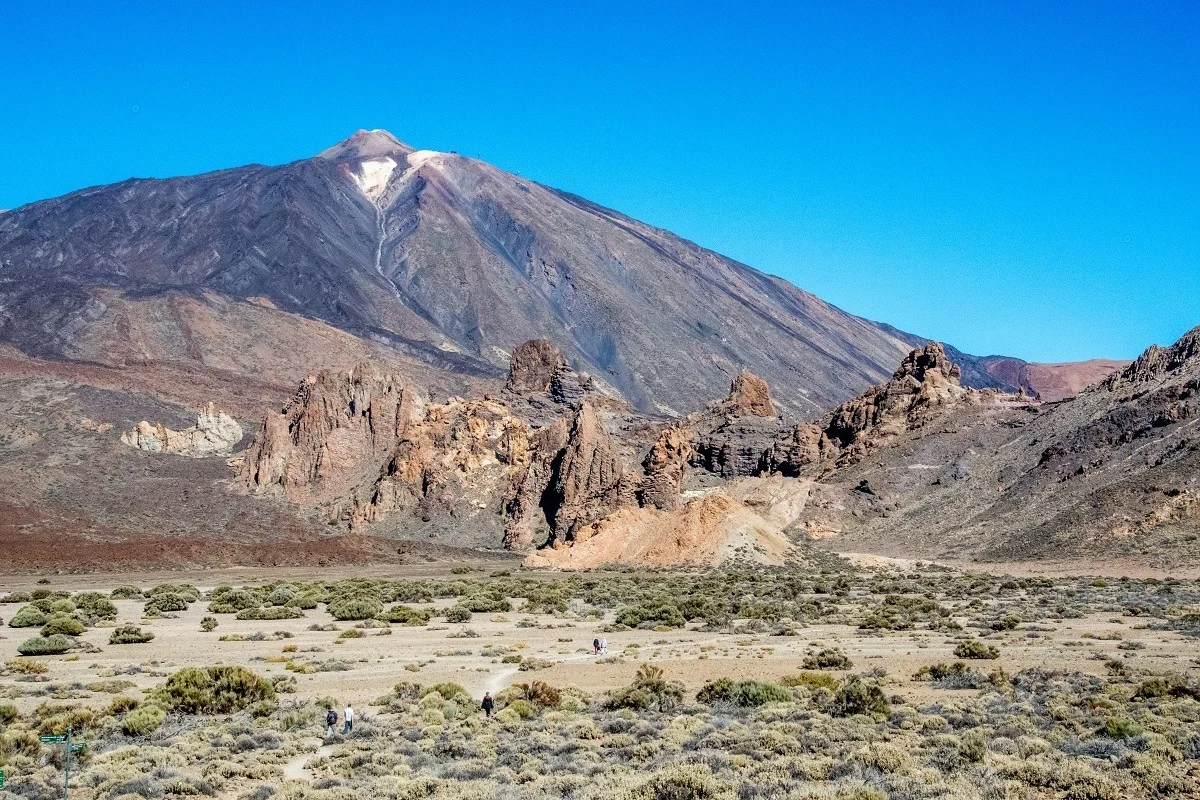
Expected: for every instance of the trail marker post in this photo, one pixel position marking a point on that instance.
(71, 748)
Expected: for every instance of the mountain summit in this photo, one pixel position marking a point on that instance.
(428, 262)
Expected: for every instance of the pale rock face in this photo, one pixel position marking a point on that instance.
(373, 176)
(214, 434)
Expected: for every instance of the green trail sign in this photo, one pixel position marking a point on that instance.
(51, 739)
(70, 748)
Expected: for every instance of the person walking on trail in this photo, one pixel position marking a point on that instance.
(488, 704)
(604, 646)
(348, 716)
(595, 647)
(330, 722)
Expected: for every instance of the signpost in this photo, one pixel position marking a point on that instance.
(70, 748)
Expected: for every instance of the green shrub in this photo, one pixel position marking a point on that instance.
(213, 690)
(8, 714)
(270, 613)
(828, 658)
(227, 600)
(745, 694)
(458, 614)
(130, 634)
(126, 593)
(405, 615)
(649, 691)
(811, 680)
(448, 691)
(62, 606)
(67, 626)
(686, 782)
(1006, 623)
(859, 697)
(143, 720)
(306, 602)
(208, 624)
(166, 602)
(354, 608)
(955, 675)
(1117, 728)
(407, 593)
(95, 605)
(651, 614)
(28, 617)
(46, 645)
(973, 648)
(485, 603)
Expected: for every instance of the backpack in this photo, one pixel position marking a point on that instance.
(331, 717)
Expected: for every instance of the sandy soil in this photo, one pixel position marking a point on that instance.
(441, 652)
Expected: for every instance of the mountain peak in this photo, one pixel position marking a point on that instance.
(367, 144)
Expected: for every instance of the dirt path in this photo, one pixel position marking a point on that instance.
(297, 768)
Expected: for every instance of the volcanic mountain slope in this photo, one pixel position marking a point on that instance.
(1113, 473)
(424, 262)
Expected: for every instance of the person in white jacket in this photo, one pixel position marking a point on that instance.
(348, 716)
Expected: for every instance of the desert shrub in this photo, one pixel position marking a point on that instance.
(649, 691)
(955, 675)
(354, 607)
(227, 600)
(1168, 686)
(406, 615)
(458, 614)
(16, 597)
(351, 633)
(1008, 622)
(811, 680)
(448, 691)
(213, 690)
(185, 590)
(485, 603)
(8, 714)
(530, 664)
(307, 601)
(94, 604)
(902, 612)
(684, 782)
(1119, 728)
(46, 645)
(745, 694)
(143, 720)
(541, 694)
(130, 634)
(26, 666)
(62, 606)
(405, 592)
(270, 613)
(208, 624)
(166, 602)
(67, 626)
(28, 617)
(651, 614)
(281, 595)
(126, 593)
(828, 658)
(858, 697)
(973, 648)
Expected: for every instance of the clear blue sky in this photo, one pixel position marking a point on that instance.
(1017, 178)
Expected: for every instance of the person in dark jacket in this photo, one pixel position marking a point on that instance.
(595, 647)
(330, 721)
(488, 704)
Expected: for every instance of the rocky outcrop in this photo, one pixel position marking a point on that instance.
(665, 468)
(333, 434)
(461, 454)
(749, 394)
(214, 434)
(1157, 361)
(591, 480)
(743, 522)
(533, 366)
(926, 380)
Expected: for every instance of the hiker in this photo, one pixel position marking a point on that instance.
(348, 715)
(488, 704)
(595, 647)
(604, 646)
(330, 721)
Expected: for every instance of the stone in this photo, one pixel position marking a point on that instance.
(214, 434)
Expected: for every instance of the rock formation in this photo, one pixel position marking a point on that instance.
(333, 434)
(533, 366)
(214, 434)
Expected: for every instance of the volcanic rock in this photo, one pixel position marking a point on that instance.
(214, 434)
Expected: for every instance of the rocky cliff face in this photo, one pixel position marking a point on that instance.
(333, 434)
(214, 434)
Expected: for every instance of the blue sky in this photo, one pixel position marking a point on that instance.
(1016, 178)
